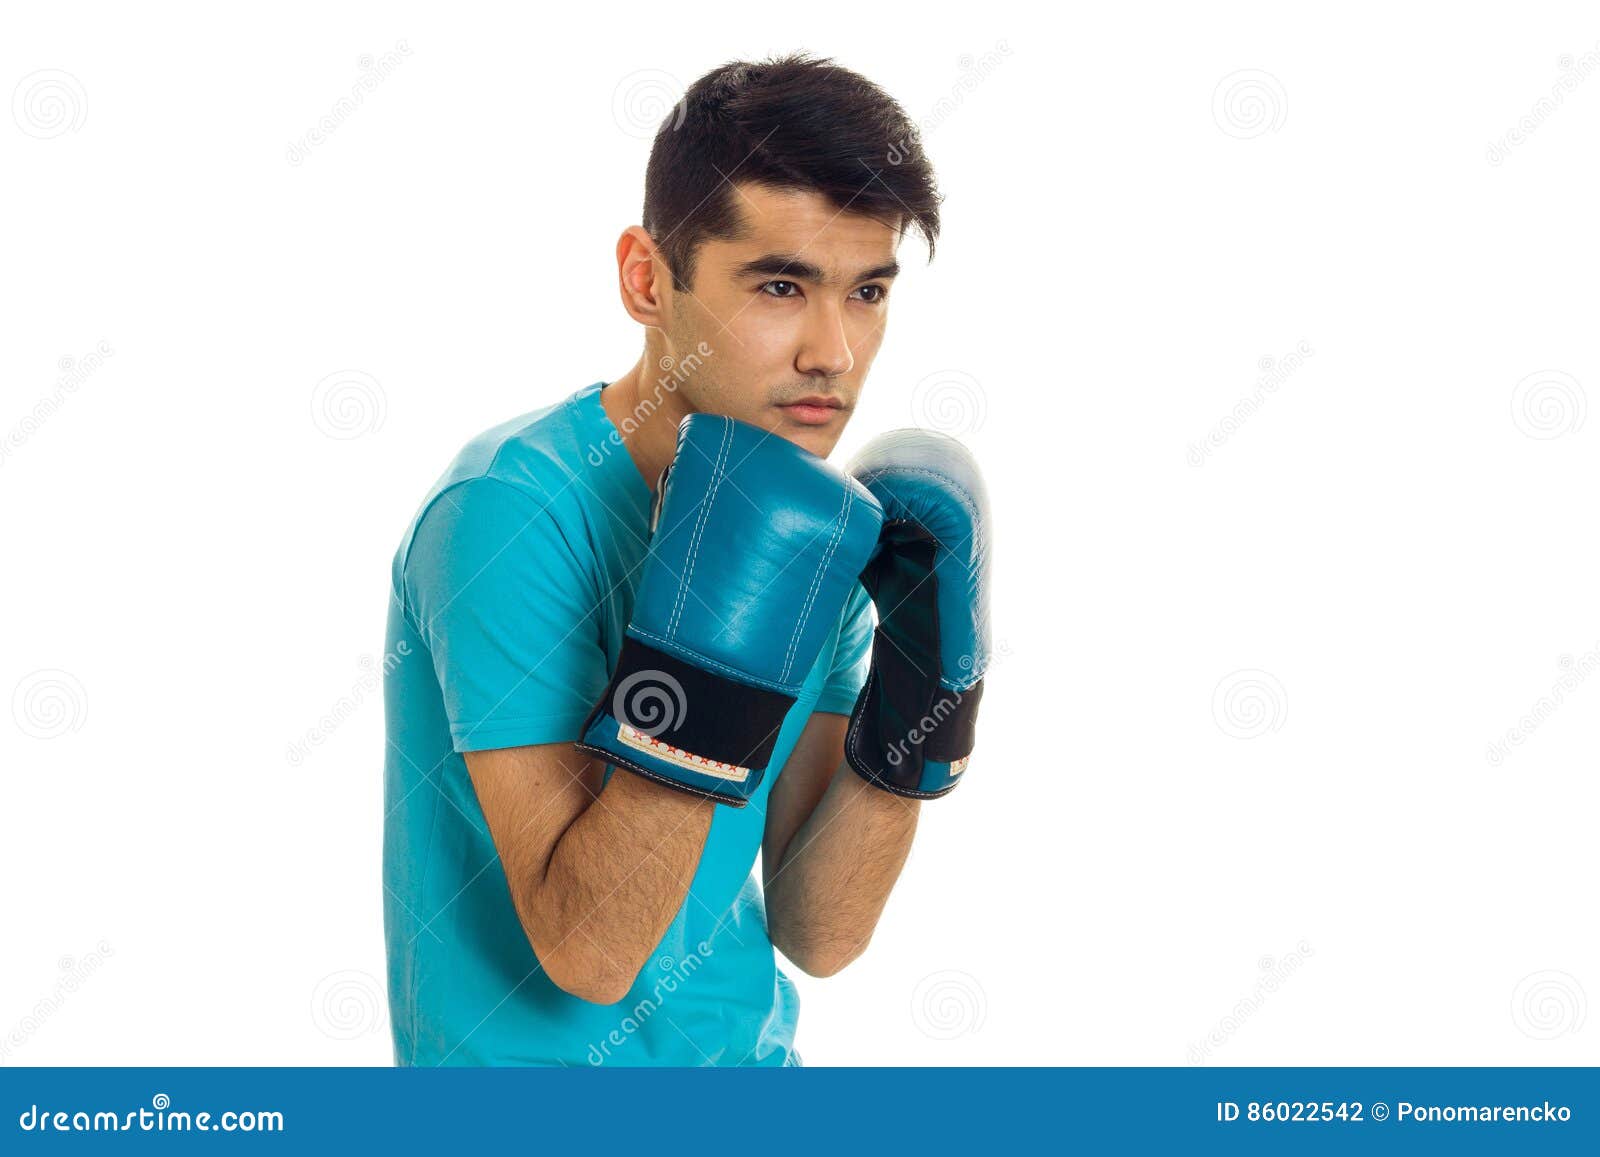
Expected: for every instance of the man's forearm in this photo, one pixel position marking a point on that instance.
(615, 880)
(829, 889)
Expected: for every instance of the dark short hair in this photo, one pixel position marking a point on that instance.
(790, 122)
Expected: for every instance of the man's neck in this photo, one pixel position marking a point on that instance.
(647, 418)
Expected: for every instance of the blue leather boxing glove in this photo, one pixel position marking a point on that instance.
(913, 725)
(757, 546)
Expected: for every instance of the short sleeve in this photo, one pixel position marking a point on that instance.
(509, 613)
(852, 658)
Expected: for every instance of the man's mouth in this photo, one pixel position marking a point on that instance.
(813, 410)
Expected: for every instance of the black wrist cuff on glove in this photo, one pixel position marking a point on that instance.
(687, 707)
(905, 720)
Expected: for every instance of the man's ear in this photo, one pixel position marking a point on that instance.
(643, 278)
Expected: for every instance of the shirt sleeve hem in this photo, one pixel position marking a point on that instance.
(516, 732)
(835, 705)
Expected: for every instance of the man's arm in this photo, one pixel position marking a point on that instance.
(596, 873)
(832, 851)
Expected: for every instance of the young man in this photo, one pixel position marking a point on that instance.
(551, 903)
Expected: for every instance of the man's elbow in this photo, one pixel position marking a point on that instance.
(819, 960)
(585, 975)
(595, 990)
(572, 962)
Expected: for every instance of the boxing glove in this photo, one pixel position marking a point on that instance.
(757, 545)
(913, 726)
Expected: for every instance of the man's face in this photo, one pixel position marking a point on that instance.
(793, 313)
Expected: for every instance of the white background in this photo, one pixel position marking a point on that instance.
(1233, 801)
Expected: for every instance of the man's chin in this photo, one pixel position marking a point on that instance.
(820, 440)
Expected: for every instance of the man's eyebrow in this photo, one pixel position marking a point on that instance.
(884, 272)
(790, 265)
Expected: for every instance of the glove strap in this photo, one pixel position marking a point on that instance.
(909, 734)
(685, 727)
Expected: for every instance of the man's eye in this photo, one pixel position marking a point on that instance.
(877, 293)
(767, 288)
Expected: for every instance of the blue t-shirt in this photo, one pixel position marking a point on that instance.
(510, 595)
